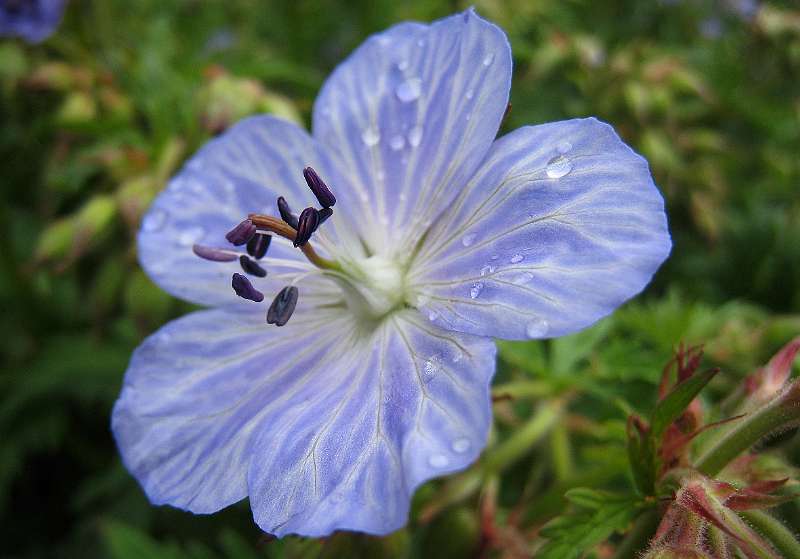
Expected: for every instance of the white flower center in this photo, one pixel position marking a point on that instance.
(377, 287)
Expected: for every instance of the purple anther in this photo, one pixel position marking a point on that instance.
(286, 212)
(307, 223)
(282, 306)
(214, 254)
(242, 233)
(244, 289)
(319, 188)
(324, 214)
(252, 267)
(258, 245)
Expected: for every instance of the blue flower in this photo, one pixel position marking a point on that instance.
(441, 238)
(33, 20)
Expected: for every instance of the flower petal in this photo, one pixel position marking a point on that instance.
(409, 403)
(409, 116)
(241, 172)
(329, 428)
(561, 225)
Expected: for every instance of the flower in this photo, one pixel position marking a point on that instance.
(440, 239)
(33, 20)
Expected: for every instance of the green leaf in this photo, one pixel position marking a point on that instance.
(641, 459)
(598, 515)
(674, 403)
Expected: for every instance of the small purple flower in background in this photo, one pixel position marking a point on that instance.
(32, 20)
(376, 376)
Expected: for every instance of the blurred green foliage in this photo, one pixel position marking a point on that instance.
(96, 119)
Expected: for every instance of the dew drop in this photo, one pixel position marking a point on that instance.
(469, 94)
(457, 355)
(433, 315)
(461, 445)
(468, 239)
(402, 65)
(432, 366)
(487, 61)
(536, 328)
(370, 136)
(409, 90)
(558, 166)
(190, 236)
(564, 146)
(154, 220)
(475, 290)
(397, 142)
(415, 136)
(517, 258)
(438, 461)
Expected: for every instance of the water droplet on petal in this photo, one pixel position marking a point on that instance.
(433, 315)
(517, 258)
(536, 328)
(154, 220)
(432, 366)
(461, 445)
(438, 461)
(415, 136)
(469, 94)
(487, 61)
(558, 166)
(457, 355)
(402, 65)
(564, 146)
(468, 239)
(409, 90)
(370, 136)
(475, 290)
(190, 236)
(397, 142)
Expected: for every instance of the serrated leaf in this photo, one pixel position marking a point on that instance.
(676, 401)
(574, 533)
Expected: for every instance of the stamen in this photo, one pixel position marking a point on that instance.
(252, 267)
(214, 254)
(267, 223)
(242, 233)
(319, 188)
(244, 289)
(282, 306)
(307, 224)
(324, 214)
(286, 212)
(258, 245)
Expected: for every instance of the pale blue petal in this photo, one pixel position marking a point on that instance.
(561, 225)
(324, 426)
(388, 412)
(408, 117)
(243, 171)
